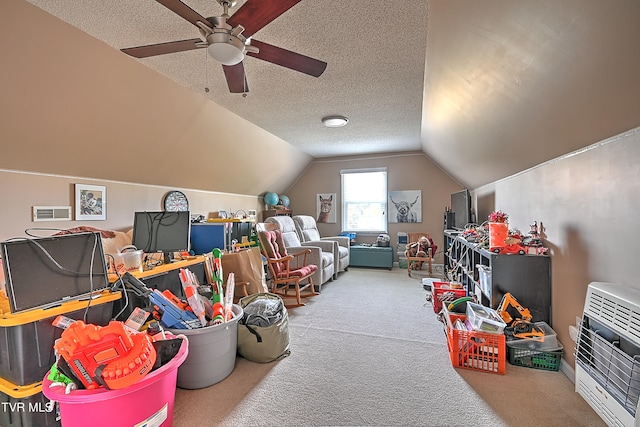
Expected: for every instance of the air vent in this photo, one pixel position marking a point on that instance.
(51, 213)
(619, 310)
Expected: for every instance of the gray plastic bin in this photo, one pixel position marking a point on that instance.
(212, 353)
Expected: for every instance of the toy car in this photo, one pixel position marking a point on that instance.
(513, 248)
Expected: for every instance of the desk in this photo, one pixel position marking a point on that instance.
(371, 256)
(219, 233)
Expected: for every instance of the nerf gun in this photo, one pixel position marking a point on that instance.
(190, 287)
(172, 317)
(108, 356)
(217, 265)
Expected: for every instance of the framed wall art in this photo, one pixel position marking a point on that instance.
(91, 202)
(325, 207)
(405, 206)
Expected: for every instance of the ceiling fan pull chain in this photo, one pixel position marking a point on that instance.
(206, 72)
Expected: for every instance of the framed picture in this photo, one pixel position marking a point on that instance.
(405, 206)
(325, 211)
(91, 202)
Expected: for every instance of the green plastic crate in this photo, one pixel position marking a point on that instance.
(536, 359)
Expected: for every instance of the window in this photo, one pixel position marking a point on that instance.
(364, 200)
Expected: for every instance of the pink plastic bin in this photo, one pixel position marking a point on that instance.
(149, 400)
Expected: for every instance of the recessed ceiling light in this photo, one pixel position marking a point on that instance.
(335, 121)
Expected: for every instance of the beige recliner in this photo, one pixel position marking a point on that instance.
(325, 249)
(308, 232)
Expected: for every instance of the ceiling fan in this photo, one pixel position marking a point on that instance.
(226, 38)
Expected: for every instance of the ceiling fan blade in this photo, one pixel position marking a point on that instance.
(163, 48)
(288, 59)
(254, 15)
(181, 9)
(236, 78)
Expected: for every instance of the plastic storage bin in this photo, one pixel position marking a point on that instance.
(536, 359)
(212, 353)
(548, 343)
(149, 402)
(27, 351)
(402, 262)
(128, 261)
(484, 276)
(26, 406)
(478, 351)
(484, 319)
(351, 236)
(442, 292)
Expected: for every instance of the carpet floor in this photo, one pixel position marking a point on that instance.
(370, 351)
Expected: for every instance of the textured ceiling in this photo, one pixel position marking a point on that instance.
(369, 77)
(486, 88)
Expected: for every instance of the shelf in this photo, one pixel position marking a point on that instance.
(526, 277)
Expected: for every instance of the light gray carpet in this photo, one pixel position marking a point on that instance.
(369, 351)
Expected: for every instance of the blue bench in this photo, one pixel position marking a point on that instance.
(371, 256)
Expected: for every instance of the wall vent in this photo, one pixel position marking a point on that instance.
(51, 213)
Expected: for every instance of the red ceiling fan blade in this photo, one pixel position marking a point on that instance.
(254, 15)
(236, 78)
(288, 59)
(181, 9)
(162, 48)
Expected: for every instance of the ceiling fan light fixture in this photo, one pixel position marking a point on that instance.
(226, 49)
(335, 121)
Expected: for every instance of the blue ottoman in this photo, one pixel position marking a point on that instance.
(371, 256)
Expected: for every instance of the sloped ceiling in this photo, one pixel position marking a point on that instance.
(485, 88)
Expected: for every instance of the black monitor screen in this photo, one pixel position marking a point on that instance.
(162, 231)
(42, 272)
(461, 207)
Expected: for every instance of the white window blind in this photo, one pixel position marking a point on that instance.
(364, 200)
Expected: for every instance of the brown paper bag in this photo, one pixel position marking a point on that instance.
(246, 265)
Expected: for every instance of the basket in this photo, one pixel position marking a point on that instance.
(536, 359)
(149, 402)
(441, 292)
(478, 351)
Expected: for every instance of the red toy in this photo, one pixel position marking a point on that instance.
(109, 356)
(512, 246)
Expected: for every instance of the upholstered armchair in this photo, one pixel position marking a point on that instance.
(322, 254)
(308, 232)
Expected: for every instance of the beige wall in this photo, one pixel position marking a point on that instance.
(587, 204)
(79, 107)
(58, 109)
(20, 191)
(406, 171)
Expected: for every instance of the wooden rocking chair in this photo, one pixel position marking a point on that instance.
(288, 271)
(416, 262)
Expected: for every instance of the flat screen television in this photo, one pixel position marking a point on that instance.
(162, 231)
(461, 207)
(44, 272)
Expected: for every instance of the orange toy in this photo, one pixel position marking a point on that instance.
(109, 356)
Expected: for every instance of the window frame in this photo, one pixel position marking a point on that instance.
(383, 201)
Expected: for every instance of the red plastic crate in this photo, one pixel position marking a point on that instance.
(478, 351)
(441, 292)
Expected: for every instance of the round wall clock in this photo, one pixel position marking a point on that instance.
(175, 201)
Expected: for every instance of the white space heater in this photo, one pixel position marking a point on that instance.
(608, 353)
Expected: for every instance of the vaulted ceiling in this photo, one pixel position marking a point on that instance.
(485, 88)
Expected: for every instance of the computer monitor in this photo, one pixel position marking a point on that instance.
(44, 272)
(162, 231)
(461, 207)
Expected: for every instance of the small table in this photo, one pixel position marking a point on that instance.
(371, 256)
